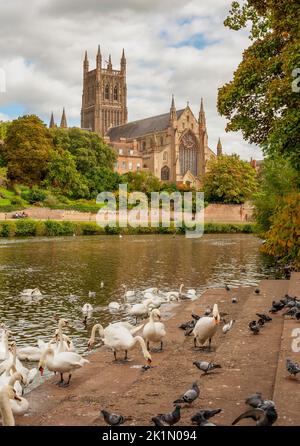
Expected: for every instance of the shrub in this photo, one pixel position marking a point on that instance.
(7, 229)
(34, 195)
(25, 228)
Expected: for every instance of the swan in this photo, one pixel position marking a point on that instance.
(28, 374)
(153, 290)
(7, 393)
(31, 292)
(139, 310)
(92, 294)
(120, 338)
(102, 331)
(4, 352)
(62, 362)
(6, 375)
(191, 291)
(114, 306)
(174, 295)
(87, 308)
(18, 405)
(129, 295)
(206, 327)
(154, 330)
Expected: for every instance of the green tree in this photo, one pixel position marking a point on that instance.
(3, 129)
(260, 100)
(276, 179)
(63, 175)
(229, 180)
(103, 179)
(142, 181)
(26, 151)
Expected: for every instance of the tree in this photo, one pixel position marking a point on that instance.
(89, 150)
(229, 180)
(63, 175)
(142, 181)
(263, 99)
(3, 129)
(102, 179)
(276, 180)
(26, 151)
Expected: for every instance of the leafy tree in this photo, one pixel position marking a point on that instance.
(142, 181)
(283, 237)
(229, 180)
(63, 175)
(3, 129)
(260, 100)
(276, 179)
(103, 179)
(26, 151)
(89, 150)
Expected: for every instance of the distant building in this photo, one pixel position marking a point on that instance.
(256, 164)
(63, 121)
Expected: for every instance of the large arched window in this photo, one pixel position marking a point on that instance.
(116, 94)
(165, 173)
(106, 92)
(188, 154)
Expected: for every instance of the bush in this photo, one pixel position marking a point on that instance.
(7, 229)
(25, 228)
(34, 195)
(17, 201)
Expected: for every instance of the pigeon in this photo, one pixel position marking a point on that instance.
(227, 288)
(297, 316)
(264, 317)
(254, 400)
(208, 311)
(276, 306)
(291, 312)
(261, 322)
(265, 415)
(112, 418)
(201, 418)
(189, 396)
(234, 300)
(254, 327)
(168, 419)
(228, 326)
(257, 291)
(206, 366)
(292, 367)
(188, 325)
(195, 316)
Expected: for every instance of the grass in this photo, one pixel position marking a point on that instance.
(50, 228)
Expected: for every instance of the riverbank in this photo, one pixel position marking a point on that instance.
(249, 364)
(31, 228)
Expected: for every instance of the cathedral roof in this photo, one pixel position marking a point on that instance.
(141, 127)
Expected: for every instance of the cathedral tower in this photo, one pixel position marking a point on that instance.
(104, 97)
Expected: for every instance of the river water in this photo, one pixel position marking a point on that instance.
(66, 269)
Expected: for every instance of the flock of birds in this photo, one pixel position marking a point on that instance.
(58, 355)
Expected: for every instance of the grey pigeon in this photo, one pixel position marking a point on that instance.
(227, 288)
(201, 418)
(169, 418)
(254, 327)
(264, 415)
(254, 400)
(264, 317)
(206, 366)
(112, 418)
(190, 395)
(292, 367)
(234, 300)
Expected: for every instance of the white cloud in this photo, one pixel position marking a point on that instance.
(45, 43)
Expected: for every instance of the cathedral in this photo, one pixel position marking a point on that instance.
(173, 146)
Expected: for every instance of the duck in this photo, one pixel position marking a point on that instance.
(206, 327)
(154, 330)
(61, 362)
(118, 337)
(87, 308)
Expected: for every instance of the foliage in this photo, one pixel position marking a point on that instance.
(276, 179)
(283, 238)
(260, 100)
(34, 195)
(102, 179)
(229, 180)
(25, 228)
(141, 181)
(26, 150)
(3, 129)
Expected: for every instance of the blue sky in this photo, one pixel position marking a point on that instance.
(171, 47)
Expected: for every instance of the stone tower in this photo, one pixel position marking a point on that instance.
(219, 148)
(52, 122)
(63, 121)
(203, 138)
(104, 97)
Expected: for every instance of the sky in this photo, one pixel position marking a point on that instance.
(172, 47)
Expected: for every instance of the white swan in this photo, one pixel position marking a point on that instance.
(192, 292)
(4, 352)
(28, 374)
(6, 394)
(62, 362)
(114, 306)
(92, 293)
(156, 301)
(87, 308)
(18, 405)
(118, 337)
(139, 310)
(174, 295)
(154, 330)
(228, 326)
(31, 292)
(206, 327)
(6, 376)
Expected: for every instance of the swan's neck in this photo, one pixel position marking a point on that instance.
(141, 341)
(94, 330)
(61, 341)
(180, 289)
(5, 409)
(15, 377)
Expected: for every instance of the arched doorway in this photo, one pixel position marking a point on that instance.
(165, 173)
(188, 154)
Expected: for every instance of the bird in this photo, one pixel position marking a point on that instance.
(101, 284)
(154, 330)
(260, 322)
(228, 326)
(254, 400)
(234, 300)
(227, 288)
(112, 418)
(254, 327)
(264, 317)
(206, 366)
(92, 293)
(292, 367)
(87, 308)
(291, 312)
(188, 325)
(168, 419)
(206, 327)
(7, 393)
(189, 396)
(114, 306)
(202, 416)
(257, 291)
(276, 306)
(264, 415)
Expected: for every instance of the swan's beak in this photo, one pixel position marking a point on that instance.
(17, 398)
(41, 370)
